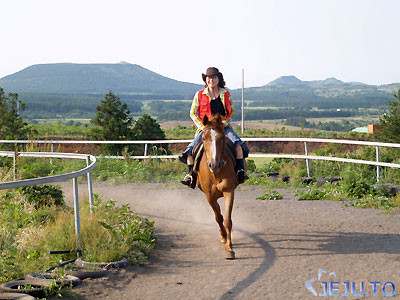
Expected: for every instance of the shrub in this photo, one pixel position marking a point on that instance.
(251, 166)
(43, 195)
(354, 184)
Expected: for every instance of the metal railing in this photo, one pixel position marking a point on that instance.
(306, 155)
(90, 162)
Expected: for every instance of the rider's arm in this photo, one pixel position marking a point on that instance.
(194, 112)
(229, 108)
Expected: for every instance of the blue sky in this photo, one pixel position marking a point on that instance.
(352, 40)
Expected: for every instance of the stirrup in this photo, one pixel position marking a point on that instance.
(241, 176)
(187, 180)
(190, 180)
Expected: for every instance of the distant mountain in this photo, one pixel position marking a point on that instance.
(69, 78)
(286, 81)
(290, 86)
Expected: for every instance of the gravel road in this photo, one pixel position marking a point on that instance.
(279, 245)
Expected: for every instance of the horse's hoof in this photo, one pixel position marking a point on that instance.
(230, 255)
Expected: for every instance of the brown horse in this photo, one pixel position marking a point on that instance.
(217, 177)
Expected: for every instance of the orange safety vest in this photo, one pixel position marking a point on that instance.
(205, 107)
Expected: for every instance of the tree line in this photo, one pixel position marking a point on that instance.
(113, 121)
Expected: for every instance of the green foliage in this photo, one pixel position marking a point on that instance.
(60, 131)
(354, 184)
(111, 234)
(271, 167)
(296, 121)
(11, 124)
(131, 235)
(43, 195)
(329, 191)
(376, 201)
(32, 168)
(147, 128)
(390, 123)
(80, 106)
(135, 171)
(113, 123)
(251, 166)
(270, 195)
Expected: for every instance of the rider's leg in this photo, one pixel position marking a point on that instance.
(189, 176)
(241, 172)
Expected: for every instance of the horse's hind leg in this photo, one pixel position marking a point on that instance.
(218, 216)
(229, 197)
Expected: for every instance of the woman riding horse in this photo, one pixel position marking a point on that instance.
(213, 99)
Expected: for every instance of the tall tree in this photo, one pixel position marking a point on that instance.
(390, 122)
(147, 128)
(12, 125)
(113, 123)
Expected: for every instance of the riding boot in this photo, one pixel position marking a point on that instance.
(241, 173)
(190, 178)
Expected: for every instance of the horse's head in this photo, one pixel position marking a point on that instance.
(214, 142)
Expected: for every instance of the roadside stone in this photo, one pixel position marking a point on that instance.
(273, 176)
(307, 180)
(321, 181)
(391, 189)
(285, 178)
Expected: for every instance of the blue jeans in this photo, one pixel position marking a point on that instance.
(229, 133)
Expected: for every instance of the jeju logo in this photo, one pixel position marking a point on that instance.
(350, 288)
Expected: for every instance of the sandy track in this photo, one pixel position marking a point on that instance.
(279, 246)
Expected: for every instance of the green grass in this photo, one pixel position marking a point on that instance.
(261, 161)
(28, 233)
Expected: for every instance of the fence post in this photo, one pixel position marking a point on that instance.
(145, 149)
(15, 154)
(377, 167)
(52, 147)
(77, 221)
(89, 177)
(307, 160)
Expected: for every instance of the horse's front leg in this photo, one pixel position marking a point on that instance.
(229, 197)
(212, 200)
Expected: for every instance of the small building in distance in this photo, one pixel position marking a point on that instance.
(373, 128)
(370, 129)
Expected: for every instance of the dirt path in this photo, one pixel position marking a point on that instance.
(279, 246)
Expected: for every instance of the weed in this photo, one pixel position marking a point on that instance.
(329, 191)
(354, 184)
(270, 195)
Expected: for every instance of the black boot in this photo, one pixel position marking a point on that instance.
(190, 178)
(241, 172)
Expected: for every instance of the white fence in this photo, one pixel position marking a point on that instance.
(91, 163)
(306, 142)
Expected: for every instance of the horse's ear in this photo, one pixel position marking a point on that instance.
(205, 120)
